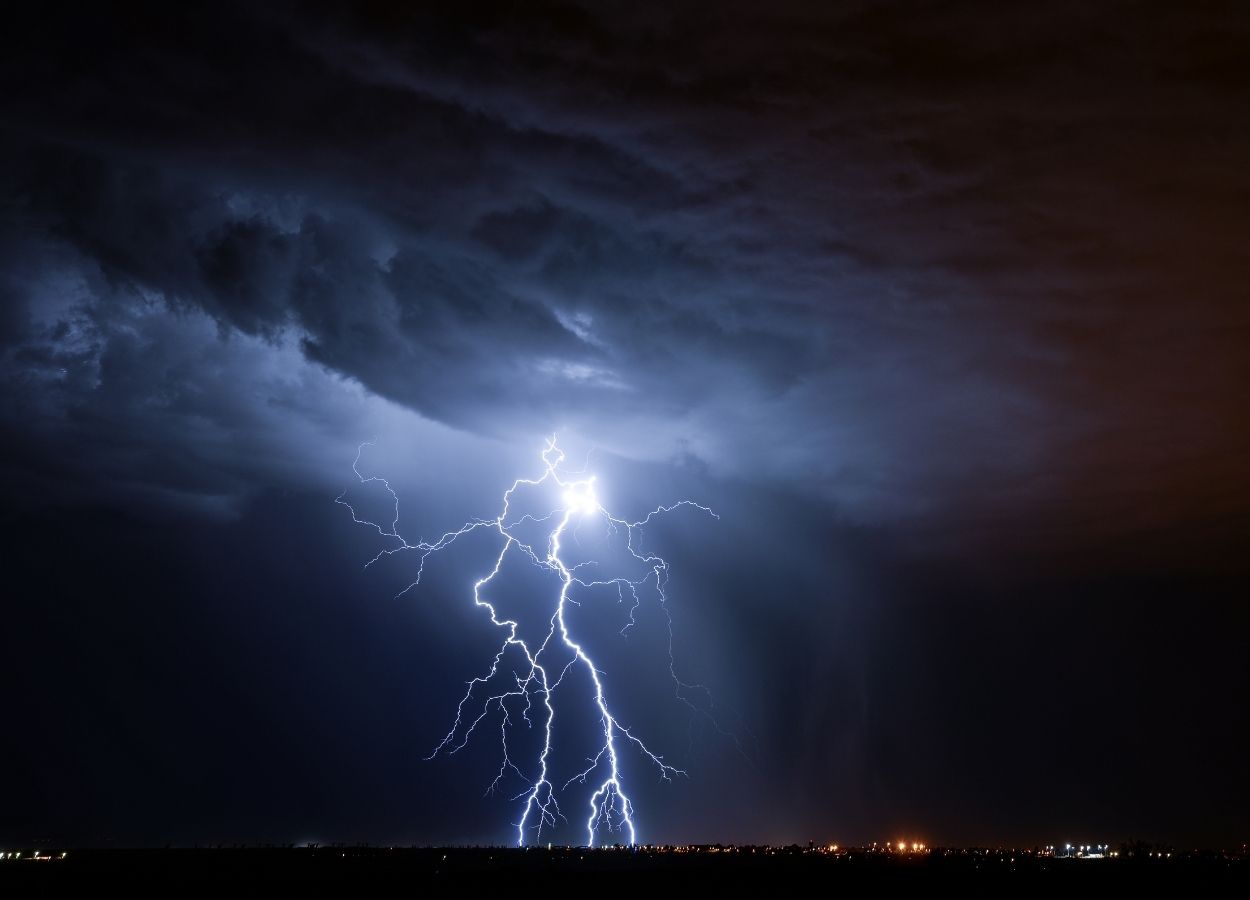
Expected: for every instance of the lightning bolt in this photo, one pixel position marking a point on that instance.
(526, 689)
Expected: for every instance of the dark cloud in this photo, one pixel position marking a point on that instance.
(813, 237)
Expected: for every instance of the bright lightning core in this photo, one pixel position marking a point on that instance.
(521, 685)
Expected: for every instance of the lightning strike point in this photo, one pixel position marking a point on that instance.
(532, 690)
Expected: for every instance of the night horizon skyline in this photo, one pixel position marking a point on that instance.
(941, 309)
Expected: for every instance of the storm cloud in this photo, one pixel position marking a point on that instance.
(796, 246)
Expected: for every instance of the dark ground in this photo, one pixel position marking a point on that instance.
(619, 868)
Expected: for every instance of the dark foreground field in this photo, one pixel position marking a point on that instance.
(456, 868)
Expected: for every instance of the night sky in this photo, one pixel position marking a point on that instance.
(943, 307)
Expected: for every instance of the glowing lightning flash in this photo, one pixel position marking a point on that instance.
(610, 808)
